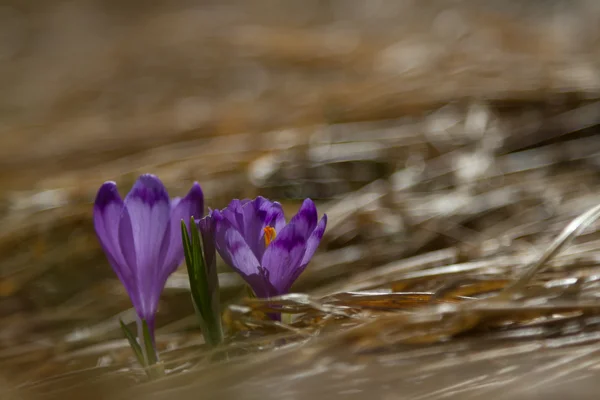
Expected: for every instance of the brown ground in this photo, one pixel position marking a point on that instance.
(449, 143)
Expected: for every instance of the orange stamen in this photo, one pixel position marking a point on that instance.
(269, 235)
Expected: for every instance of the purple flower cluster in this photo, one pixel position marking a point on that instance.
(253, 238)
(142, 238)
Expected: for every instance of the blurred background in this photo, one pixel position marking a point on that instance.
(451, 131)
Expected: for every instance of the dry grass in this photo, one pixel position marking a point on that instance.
(449, 145)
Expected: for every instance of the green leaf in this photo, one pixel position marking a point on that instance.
(187, 244)
(205, 304)
(149, 344)
(135, 346)
(198, 257)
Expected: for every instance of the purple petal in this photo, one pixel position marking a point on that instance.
(311, 247)
(107, 212)
(306, 219)
(147, 213)
(181, 209)
(314, 240)
(257, 215)
(284, 255)
(232, 247)
(128, 249)
(127, 242)
(233, 213)
(276, 217)
(260, 284)
(218, 220)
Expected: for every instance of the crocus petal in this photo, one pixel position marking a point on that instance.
(147, 211)
(219, 221)
(232, 247)
(233, 213)
(275, 217)
(306, 219)
(257, 215)
(127, 244)
(107, 212)
(181, 209)
(311, 246)
(314, 240)
(284, 255)
(240, 240)
(261, 285)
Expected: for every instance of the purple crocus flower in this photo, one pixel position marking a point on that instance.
(141, 237)
(254, 239)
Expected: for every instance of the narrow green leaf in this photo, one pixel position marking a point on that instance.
(135, 346)
(149, 344)
(202, 321)
(201, 290)
(204, 295)
(186, 245)
(198, 256)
